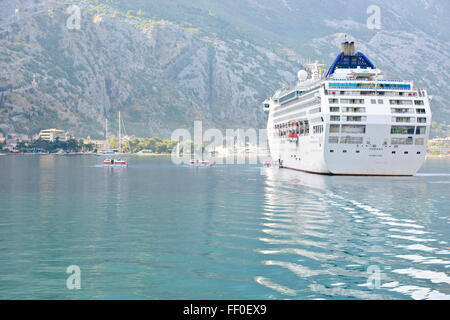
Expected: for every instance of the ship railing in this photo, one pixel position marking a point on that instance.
(370, 80)
(368, 88)
(358, 94)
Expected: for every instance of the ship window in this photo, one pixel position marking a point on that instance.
(418, 102)
(333, 100)
(352, 109)
(420, 141)
(393, 152)
(356, 118)
(420, 130)
(406, 152)
(420, 111)
(342, 85)
(335, 118)
(353, 118)
(352, 140)
(334, 128)
(400, 102)
(346, 128)
(402, 130)
(357, 151)
(395, 86)
(401, 119)
(331, 150)
(418, 152)
(421, 120)
(408, 140)
(352, 101)
(402, 110)
(334, 109)
(318, 129)
(344, 151)
(367, 93)
(289, 96)
(380, 101)
(373, 101)
(366, 85)
(333, 139)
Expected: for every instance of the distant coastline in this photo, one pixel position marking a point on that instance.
(428, 155)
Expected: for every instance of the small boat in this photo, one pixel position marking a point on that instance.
(200, 163)
(115, 163)
(271, 164)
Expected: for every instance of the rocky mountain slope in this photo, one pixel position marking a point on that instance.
(166, 64)
(161, 75)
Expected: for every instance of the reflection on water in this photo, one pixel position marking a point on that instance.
(336, 227)
(159, 231)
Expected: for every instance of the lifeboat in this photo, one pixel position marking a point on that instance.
(292, 137)
(114, 163)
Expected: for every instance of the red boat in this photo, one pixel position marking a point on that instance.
(270, 164)
(114, 163)
(200, 163)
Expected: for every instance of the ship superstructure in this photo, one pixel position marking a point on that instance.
(349, 120)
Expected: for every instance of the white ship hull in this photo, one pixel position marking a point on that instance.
(310, 155)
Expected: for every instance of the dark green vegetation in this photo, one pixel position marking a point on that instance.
(39, 145)
(147, 145)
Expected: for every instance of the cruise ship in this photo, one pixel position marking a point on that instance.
(349, 120)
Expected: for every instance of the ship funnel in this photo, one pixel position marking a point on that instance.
(344, 47)
(348, 48)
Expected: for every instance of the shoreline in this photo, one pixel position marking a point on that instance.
(428, 155)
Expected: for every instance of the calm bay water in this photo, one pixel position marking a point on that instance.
(159, 231)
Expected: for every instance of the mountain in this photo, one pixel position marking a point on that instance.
(165, 64)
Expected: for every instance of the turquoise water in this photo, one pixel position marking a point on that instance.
(159, 231)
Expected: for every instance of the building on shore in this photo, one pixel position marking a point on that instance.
(439, 146)
(52, 134)
(98, 144)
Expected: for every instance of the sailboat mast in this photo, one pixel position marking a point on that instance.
(106, 134)
(120, 135)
